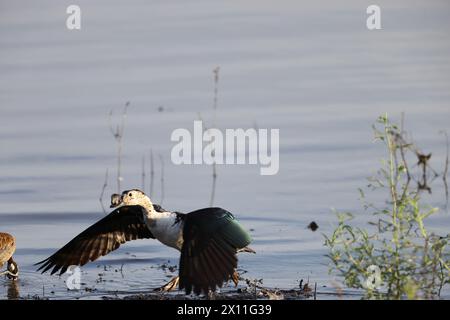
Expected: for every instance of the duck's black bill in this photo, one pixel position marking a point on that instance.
(116, 200)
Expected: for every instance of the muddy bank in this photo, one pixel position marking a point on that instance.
(239, 294)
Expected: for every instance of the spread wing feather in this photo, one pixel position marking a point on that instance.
(122, 225)
(211, 237)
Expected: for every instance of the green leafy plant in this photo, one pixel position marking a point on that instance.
(395, 257)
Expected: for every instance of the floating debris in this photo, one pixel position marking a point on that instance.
(313, 226)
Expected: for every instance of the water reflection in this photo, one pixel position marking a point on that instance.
(424, 180)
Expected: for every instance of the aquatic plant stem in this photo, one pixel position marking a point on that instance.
(393, 180)
(214, 165)
(118, 136)
(105, 184)
(152, 173)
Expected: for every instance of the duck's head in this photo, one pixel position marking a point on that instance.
(131, 198)
(13, 270)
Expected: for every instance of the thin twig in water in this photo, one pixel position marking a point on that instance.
(117, 133)
(152, 173)
(216, 92)
(162, 179)
(143, 173)
(404, 144)
(213, 188)
(442, 279)
(105, 184)
(121, 270)
(215, 102)
(444, 175)
(315, 290)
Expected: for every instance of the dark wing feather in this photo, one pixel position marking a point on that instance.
(211, 237)
(123, 224)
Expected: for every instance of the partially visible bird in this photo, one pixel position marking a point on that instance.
(7, 249)
(208, 240)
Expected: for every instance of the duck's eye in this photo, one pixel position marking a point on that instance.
(130, 194)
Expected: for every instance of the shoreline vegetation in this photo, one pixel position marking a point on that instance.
(396, 257)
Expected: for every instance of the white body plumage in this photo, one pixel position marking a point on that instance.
(166, 227)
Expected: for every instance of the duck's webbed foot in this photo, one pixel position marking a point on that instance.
(235, 278)
(169, 286)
